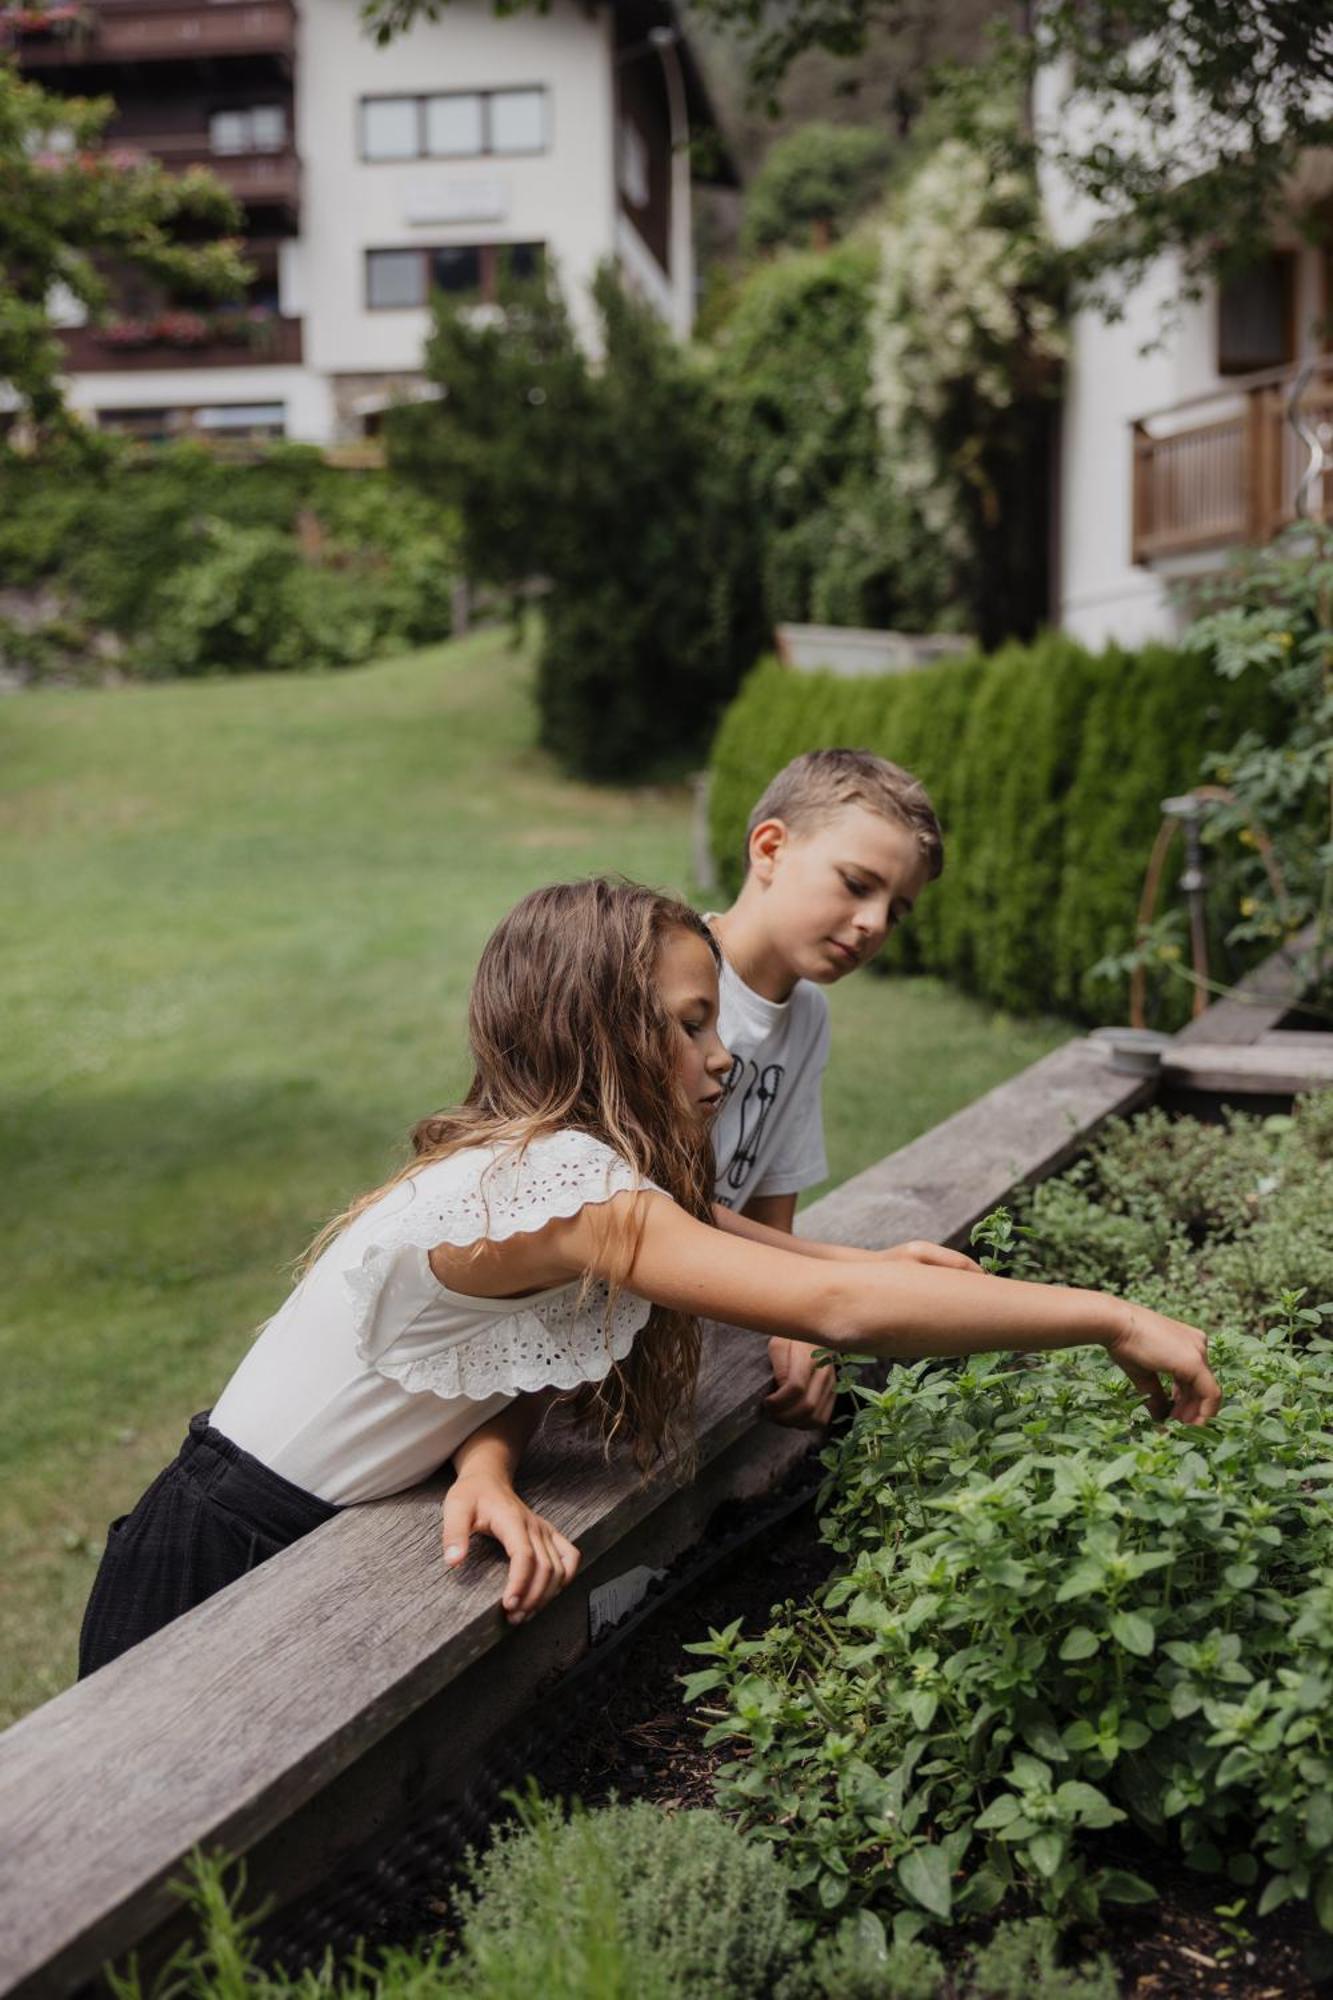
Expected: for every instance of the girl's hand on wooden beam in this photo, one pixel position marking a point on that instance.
(541, 1560)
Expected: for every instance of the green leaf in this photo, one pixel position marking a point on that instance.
(1046, 1851)
(1319, 1821)
(922, 1707)
(1080, 1644)
(998, 1813)
(1134, 1632)
(865, 1933)
(693, 1685)
(925, 1875)
(983, 1891)
(1277, 1891)
(1323, 1899)
(1119, 1886)
(832, 1891)
(1093, 1807)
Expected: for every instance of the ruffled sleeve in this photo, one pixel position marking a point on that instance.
(411, 1329)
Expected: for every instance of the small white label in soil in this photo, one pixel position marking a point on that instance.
(611, 1602)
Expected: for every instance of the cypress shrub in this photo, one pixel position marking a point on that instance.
(1047, 765)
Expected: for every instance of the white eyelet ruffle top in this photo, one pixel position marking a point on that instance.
(372, 1374)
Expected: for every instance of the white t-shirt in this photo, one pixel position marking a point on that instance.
(768, 1138)
(373, 1373)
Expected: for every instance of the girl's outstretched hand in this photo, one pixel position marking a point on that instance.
(541, 1560)
(1148, 1346)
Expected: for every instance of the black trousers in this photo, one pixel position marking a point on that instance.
(213, 1515)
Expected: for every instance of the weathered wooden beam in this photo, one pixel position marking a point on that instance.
(942, 1184)
(1262, 1069)
(1257, 1002)
(219, 1728)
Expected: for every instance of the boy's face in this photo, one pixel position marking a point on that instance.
(833, 894)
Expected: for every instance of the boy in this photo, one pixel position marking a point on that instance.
(838, 849)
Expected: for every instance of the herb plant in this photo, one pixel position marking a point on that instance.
(1053, 1618)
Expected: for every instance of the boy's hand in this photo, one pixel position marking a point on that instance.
(541, 1560)
(805, 1389)
(920, 1252)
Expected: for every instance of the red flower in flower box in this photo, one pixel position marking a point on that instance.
(126, 333)
(60, 16)
(183, 329)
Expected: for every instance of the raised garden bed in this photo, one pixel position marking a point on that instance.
(396, 1687)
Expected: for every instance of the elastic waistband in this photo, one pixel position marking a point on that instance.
(243, 1484)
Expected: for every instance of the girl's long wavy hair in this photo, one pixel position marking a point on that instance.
(567, 1031)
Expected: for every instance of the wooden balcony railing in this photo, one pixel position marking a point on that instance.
(267, 179)
(90, 351)
(1226, 468)
(120, 31)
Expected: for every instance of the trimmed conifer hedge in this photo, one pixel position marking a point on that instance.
(1047, 765)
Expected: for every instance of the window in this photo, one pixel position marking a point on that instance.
(156, 426)
(1254, 316)
(397, 278)
(390, 128)
(454, 124)
(518, 121)
(149, 426)
(255, 128)
(243, 419)
(455, 270)
(520, 263)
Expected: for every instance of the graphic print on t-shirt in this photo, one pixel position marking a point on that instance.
(761, 1087)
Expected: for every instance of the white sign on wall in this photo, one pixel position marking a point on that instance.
(440, 198)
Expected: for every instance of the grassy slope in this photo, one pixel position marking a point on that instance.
(244, 916)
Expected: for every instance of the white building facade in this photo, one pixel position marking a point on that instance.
(1176, 445)
(371, 178)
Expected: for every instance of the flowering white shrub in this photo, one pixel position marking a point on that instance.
(966, 327)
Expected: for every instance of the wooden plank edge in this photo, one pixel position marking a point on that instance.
(273, 1617)
(1257, 1002)
(1260, 1069)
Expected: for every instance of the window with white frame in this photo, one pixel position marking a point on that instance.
(401, 278)
(251, 128)
(518, 121)
(455, 125)
(390, 128)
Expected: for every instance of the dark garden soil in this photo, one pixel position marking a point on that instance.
(639, 1741)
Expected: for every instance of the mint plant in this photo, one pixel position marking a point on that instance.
(1051, 1617)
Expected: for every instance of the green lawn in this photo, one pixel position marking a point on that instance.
(241, 917)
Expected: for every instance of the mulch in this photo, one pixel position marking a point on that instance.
(640, 1741)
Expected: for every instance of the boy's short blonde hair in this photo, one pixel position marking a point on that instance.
(807, 793)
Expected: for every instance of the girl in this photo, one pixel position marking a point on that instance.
(555, 1232)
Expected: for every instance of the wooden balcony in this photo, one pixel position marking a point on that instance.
(257, 180)
(89, 351)
(1226, 468)
(135, 31)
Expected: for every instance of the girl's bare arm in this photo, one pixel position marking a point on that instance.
(898, 1309)
(917, 1251)
(482, 1501)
